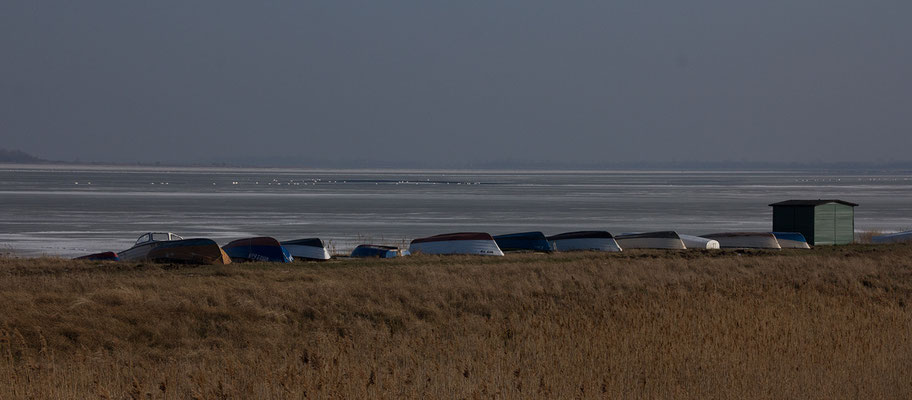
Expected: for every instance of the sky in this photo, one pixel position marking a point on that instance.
(452, 82)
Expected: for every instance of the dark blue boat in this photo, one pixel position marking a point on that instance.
(526, 241)
(106, 256)
(257, 249)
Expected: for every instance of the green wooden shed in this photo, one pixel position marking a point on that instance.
(821, 222)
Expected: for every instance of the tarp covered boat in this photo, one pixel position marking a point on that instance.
(104, 256)
(651, 240)
(526, 241)
(898, 237)
(700, 243)
(166, 247)
(377, 251)
(791, 240)
(189, 251)
(262, 248)
(745, 240)
(476, 243)
(584, 240)
(310, 249)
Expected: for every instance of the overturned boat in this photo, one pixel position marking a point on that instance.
(791, 240)
(103, 256)
(476, 243)
(526, 241)
(700, 243)
(651, 240)
(898, 237)
(167, 247)
(745, 240)
(309, 249)
(377, 251)
(262, 248)
(584, 240)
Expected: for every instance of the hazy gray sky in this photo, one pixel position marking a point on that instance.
(456, 81)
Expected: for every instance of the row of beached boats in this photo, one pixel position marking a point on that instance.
(480, 243)
(167, 247)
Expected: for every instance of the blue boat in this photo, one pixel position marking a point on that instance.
(372, 250)
(526, 241)
(257, 249)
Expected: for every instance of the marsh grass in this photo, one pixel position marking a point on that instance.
(865, 237)
(833, 322)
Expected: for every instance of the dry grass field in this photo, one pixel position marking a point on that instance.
(826, 323)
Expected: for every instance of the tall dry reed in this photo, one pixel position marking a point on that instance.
(827, 323)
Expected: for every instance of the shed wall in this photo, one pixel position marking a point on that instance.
(794, 219)
(783, 219)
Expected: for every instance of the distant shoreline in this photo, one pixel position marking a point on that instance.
(16, 157)
(647, 168)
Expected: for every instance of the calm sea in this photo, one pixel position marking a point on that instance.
(67, 210)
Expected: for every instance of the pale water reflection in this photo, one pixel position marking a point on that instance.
(75, 210)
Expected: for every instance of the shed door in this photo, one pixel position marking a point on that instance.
(804, 223)
(825, 224)
(844, 224)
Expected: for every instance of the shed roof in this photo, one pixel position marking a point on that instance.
(812, 203)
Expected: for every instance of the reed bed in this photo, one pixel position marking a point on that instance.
(826, 323)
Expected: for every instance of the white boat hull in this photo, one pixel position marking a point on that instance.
(651, 243)
(473, 247)
(736, 241)
(308, 252)
(696, 242)
(584, 244)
